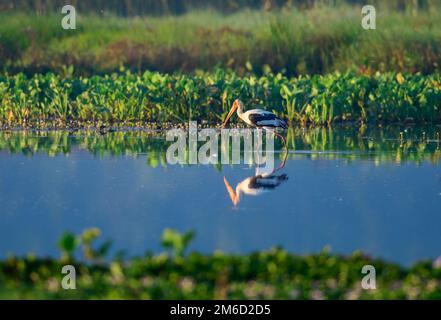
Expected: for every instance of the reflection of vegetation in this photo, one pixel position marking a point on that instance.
(392, 144)
(117, 143)
(273, 274)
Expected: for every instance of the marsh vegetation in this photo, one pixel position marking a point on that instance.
(82, 120)
(320, 39)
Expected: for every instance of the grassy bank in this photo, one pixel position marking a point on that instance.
(172, 274)
(132, 99)
(166, 7)
(319, 40)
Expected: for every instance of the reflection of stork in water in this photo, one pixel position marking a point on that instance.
(257, 184)
(257, 118)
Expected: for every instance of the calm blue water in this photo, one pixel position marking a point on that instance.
(383, 208)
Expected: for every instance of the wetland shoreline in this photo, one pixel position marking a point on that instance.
(140, 100)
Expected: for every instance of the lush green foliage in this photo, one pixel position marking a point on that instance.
(155, 7)
(136, 99)
(392, 144)
(320, 40)
(78, 78)
(264, 275)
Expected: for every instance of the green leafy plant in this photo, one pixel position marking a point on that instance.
(177, 242)
(68, 243)
(47, 100)
(267, 274)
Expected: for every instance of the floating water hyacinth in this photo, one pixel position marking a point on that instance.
(133, 99)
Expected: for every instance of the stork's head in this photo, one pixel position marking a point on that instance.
(234, 196)
(237, 104)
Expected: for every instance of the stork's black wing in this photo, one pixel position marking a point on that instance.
(261, 117)
(266, 119)
(267, 183)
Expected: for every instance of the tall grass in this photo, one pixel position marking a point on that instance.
(166, 7)
(320, 40)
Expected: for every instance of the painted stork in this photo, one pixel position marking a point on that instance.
(254, 186)
(261, 182)
(257, 118)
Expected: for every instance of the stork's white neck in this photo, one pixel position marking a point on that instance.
(240, 110)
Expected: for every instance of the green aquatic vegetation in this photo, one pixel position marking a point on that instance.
(269, 274)
(70, 242)
(67, 244)
(138, 99)
(177, 242)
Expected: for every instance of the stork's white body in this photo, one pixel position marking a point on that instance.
(256, 117)
(254, 186)
(245, 187)
(257, 185)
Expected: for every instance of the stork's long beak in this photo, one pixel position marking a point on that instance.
(233, 108)
(234, 198)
